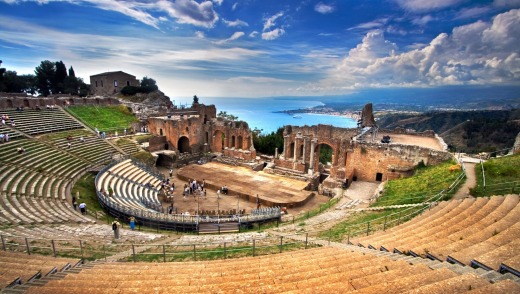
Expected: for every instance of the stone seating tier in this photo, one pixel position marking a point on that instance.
(35, 122)
(483, 230)
(318, 270)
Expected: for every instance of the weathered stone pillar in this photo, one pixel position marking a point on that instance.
(276, 152)
(313, 148)
(295, 149)
(285, 147)
(304, 149)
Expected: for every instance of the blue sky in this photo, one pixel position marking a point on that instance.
(250, 48)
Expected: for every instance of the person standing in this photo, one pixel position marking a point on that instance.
(83, 208)
(115, 227)
(74, 202)
(132, 223)
(171, 172)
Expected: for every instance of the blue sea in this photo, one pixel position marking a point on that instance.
(261, 113)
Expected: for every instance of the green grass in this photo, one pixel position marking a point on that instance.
(502, 177)
(105, 118)
(87, 192)
(427, 181)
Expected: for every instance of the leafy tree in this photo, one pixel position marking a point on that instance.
(195, 99)
(59, 77)
(45, 74)
(267, 143)
(130, 90)
(325, 154)
(71, 72)
(225, 115)
(148, 85)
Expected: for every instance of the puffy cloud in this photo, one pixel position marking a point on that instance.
(233, 37)
(272, 35)
(324, 8)
(235, 23)
(426, 5)
(191, 12)
(253, 34)
(477, 53)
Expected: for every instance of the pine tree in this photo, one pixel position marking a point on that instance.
(71, 72)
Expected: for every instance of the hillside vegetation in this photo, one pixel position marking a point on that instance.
(104, 118)
(467, 131)
(502, 176)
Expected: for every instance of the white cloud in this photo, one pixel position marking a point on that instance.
(472, 12)
(477, 53)
(377, 23)
(427, 5)
(184, 11)
(218, 2)
(324, 8)
(271, 21)
(234, 7)
(507, 3)
(253, 34)
(235, 23)
(272, 35)
(235, 36)
(423, 20)
(199, 35)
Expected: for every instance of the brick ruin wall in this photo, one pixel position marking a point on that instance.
(13, 100)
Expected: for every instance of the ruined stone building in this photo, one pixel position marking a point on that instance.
(110, 83)
(357, 153)
(198, 129)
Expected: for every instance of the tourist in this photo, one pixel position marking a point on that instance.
(74, 203)
(81, 139)
(83, 208)
(115, 227)
(218, 194)
(69, 145)
(132, 223)
(171, 172)
(2, 138)
(7, 137)
(125, 132)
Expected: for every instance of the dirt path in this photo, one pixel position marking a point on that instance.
(471, 181)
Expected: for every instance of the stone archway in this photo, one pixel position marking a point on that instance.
(183, 145)
(25, 103)
(239, 142)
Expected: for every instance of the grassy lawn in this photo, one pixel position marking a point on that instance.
(105, 118)
(502, 177)
(87, 192)
(426, 182)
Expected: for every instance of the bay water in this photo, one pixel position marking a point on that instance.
(262, 113)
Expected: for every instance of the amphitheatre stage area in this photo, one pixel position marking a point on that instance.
(272, 190)
(405, 139)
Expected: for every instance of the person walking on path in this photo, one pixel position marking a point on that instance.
(115, 227)
(132, 223)
(83, 208)
(74, 202)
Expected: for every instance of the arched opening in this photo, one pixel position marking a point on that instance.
(207, 138)
(232, 141)
(160, 132)
(71, 101)
(379, 177)
(9, 103)
(248, 142)
(239, 142)
(205, 118)
(218, 141)
(323, 159)
(301, 151)
(291, 150)
(183, 144)
(25, 103)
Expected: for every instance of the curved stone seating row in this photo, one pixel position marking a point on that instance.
(41, 171)
(481, 232)
(127, 145)
(13, 134)
(31, 210)
(92, 149)
(319, 270)
(90, 232)
(18, 268)
(34, 122)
